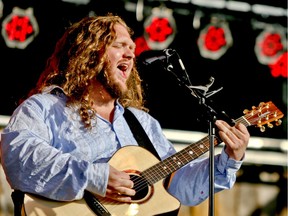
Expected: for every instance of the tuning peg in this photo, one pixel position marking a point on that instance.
(264, 114)
(246, 111)
(278, 122)
(262, 128)
(270, 125)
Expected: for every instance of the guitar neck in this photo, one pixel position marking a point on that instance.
(164, 168)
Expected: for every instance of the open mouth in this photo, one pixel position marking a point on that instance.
(123, 67)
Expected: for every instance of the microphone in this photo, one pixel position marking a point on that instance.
(150, 60)
(166, 54)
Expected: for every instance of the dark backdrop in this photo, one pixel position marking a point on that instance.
(245, 81)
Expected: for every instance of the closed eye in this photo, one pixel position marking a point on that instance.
(124, 45)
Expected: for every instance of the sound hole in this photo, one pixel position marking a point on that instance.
(142, 188)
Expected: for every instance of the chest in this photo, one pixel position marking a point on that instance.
(97, 145)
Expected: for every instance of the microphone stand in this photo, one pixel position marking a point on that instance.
(201, 93)
(212, 117)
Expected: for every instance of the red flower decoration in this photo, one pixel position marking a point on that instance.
(141, 45)
(159, 29)
(215, 38)
(271, 44)
(280, 66)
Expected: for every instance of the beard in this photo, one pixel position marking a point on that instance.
(111, 86)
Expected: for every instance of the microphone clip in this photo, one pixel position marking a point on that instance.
(204, 89)
(200, 91)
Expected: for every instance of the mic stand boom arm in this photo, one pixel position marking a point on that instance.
(201, 93)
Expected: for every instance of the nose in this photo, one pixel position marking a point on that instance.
(129, 53)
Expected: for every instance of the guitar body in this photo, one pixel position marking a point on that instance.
(153, 200)
(157, 200)
(39, 206)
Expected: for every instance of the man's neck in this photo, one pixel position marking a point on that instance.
(102, 102)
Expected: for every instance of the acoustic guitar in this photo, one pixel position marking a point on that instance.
(147, 173)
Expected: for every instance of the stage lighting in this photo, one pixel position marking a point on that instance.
(19, 28)
(270, 44)
(141, 45)
(279, 68)
(160, 28)
(215, 39)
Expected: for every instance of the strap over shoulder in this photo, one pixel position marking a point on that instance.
(139, 133)
(142, 138)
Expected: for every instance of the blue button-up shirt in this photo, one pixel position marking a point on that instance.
(46, 150)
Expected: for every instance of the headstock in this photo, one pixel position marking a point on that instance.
(264, 114)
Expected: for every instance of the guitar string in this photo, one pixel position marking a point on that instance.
(246, 120)
(156, 171)
(152, 173)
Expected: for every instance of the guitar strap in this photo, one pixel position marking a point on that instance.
(139, 133)
(18, 201)
(144, 141)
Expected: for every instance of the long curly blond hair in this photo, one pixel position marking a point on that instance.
(79, 56)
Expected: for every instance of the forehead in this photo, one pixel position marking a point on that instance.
(122, 35)
(121, 31)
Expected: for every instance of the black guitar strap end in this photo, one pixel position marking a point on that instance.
(18, 201)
